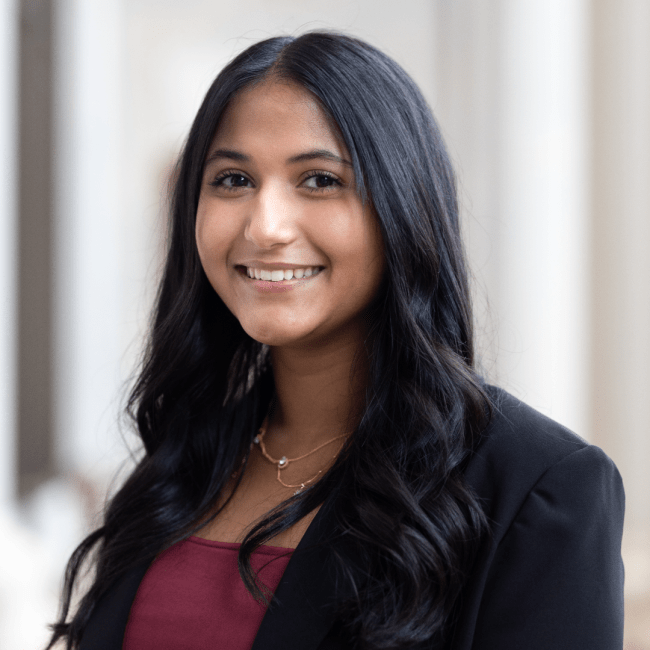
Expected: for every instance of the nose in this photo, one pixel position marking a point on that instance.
(272, 219)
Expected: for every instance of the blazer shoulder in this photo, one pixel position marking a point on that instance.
(518, 446)
(522, 428)
(545, 491)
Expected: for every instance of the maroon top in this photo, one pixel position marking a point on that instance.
(193, 597)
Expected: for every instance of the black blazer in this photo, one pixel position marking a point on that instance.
(550, 578)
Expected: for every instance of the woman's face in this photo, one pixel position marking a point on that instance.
(278, 200)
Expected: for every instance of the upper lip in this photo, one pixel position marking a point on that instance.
(270, 266)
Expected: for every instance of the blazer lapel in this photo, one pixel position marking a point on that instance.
(302, 613)
(298, 618)
(107, 624)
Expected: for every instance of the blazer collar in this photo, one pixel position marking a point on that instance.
(302, 610)
(299, 616)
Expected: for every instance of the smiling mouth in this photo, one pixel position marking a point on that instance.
(279, 276)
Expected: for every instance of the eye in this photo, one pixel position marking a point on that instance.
(321, 181)
(231, 180)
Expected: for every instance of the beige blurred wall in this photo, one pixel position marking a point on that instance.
(620, 237)
(620, 274)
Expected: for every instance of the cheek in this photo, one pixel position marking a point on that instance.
(344, 226)
(371, 261)
(360, 263)
(211, 233)
(199, 237)
(357, 244)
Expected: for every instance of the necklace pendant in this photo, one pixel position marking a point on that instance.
(282, 462)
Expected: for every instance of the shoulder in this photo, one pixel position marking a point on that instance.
(523, 430)
(555, 505)
(522, 450)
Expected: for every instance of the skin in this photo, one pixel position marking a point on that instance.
(260, 203)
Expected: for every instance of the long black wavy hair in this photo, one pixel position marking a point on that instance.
(397, 487)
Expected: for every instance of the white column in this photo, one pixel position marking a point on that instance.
(621, 265)
(543, 253)
(512, 100)
(8, 245)
(88, 274)
(467, 108)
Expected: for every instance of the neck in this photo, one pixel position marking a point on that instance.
(319, 395)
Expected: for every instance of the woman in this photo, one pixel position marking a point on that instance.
(313, 423)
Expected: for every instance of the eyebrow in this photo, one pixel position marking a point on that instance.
(230, 154)
(313, 154)
(316, 154)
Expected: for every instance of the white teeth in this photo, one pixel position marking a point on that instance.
(278, 276)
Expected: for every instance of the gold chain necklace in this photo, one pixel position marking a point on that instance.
(283, 463)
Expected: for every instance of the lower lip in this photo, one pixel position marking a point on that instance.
(266, 286)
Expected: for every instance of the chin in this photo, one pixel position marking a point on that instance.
(273, 336)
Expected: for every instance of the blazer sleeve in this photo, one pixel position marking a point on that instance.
(556, 580)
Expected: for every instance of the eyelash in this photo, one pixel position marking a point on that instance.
(219, 180)
(316, 174)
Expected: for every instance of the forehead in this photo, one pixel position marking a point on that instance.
(277, 111)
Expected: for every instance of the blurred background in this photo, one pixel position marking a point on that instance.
(545, 106)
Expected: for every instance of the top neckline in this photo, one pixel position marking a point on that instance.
(235, 546)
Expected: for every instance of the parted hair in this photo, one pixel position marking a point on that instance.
(407, 526)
